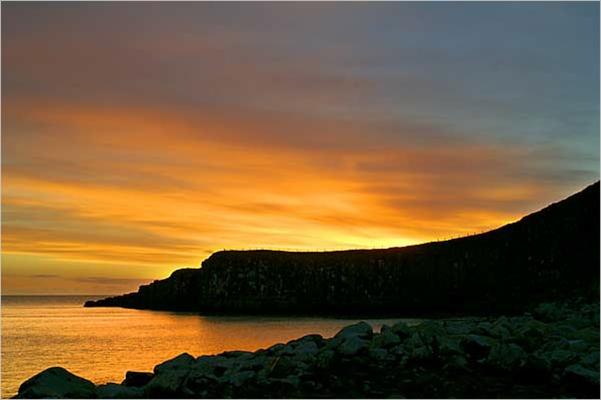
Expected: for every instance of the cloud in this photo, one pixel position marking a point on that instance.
(188, 128)
(44, 276)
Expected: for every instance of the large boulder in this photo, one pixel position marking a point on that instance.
(361, 330)
(137, 379)
(183, 361)
(507, 356)
(114, 391)
(56, 382)
(386, 339)
(170, 376)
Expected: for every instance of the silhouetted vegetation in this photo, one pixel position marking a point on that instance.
(549, 255)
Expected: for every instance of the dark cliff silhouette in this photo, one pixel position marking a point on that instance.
(549, 255)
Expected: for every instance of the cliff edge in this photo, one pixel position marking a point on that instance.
(548, 255)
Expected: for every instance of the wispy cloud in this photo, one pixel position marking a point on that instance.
(188, 128)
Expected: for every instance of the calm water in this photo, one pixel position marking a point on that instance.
(101, 344)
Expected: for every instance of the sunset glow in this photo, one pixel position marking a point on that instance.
(138, 138)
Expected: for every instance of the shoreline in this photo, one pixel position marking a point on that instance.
(553, 352)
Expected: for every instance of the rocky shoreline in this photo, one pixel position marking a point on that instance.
(551, 352)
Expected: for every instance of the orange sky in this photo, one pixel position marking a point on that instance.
(127, 157)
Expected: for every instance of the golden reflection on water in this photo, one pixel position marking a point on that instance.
(101, 344)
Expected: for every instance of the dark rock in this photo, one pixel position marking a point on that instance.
(378, 354)
(137, 379)
(478, 346)
(353, 345)
(114, 391)
(170, 376)
(325, 358)
(385, 339)
(183, 361)
(507, 356)
(281, 367)
(360, 330)
(56, 382)
(578, 374)
(402, 330)
(550, 312)
(559, 358)
(306, 351)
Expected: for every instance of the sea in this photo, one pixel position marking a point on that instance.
(101, 344)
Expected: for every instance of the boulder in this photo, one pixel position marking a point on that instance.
(137, 379)
(386, 339)
(281, 349)
(581, 375)
(313, 338)
(237, 379)
(183, 361)
(325, 358)
(378, 354)
(401, 329)
(169, 376)
(353, 345)
(450, 345)
(114, 391)
(478, 346)
(305, 351)
(459, 327)
(507, 356)
(559, 358)
(56, 382)
(550, 312)
(590, 360)
(361, 330)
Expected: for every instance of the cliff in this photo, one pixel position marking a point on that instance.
(548, 255)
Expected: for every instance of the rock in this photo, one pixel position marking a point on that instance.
(239, 354)
(536, 369)
(352, 346)
(421, 353)
(237, 378)
(578, 346)
(137, 379)
(324, 358)
(590, 360)
(507, 356)
(305, 351)
(483, 328)
(430, 332)
(478, 346)
(589, 335)
(281, 367)
(457, 362)
(314, 338)
(166, 383)
(560, 358)
(169, 376)
(114, 391)
(415, 340)
(580, 375)
(401, 350)
(378, 354)
(183, 361)
(402, 330)
(459, 327)
(56, 382)
(361, 330)
(450, 345)
(385, 339)
(281, 349)
(549, 312)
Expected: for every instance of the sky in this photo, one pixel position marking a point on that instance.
(138, 138)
